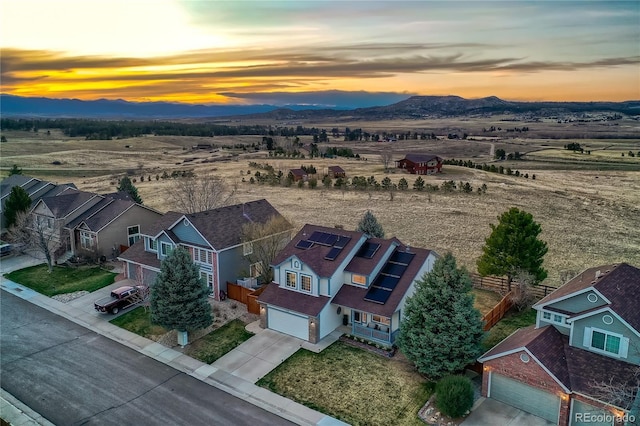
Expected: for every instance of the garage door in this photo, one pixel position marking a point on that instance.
(535, 401)
(585, 414)
(288, 323)
(148, 276)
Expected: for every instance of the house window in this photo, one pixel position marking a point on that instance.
(305, 283)
(247, 248)
(546, 315)
(292, 279)
(558, 319)
(360, 317)
(133, 232)
(165, 249)
(153, 244)
(87, 240)
(380, 320)
(359, 279)
(201, 256)
(605, 342)
(208, 279)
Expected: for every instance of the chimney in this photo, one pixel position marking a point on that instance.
(598, 273)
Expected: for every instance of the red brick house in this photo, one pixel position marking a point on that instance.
(420, 164)
(587, 333)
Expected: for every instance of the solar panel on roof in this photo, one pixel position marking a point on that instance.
(315, 237)
(387, 282)
(330, 239)
(304, 244)
(394, 269)
(333, 253)
(402, 257)
(377, 295)
(342, 241)
(368, 250)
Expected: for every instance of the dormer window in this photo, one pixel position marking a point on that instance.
(153, 244)
(165, 249)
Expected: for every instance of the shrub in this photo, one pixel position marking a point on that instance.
(454, 395)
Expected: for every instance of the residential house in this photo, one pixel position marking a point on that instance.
(420, 164)
(298, 174)
(36, 189)
(327, 277)
(336, 172)
(587, 332)
(91, 224)
(212, 237)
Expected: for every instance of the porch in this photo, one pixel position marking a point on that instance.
(374, 332)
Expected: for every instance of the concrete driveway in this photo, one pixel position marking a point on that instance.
(14, 262)
(493, 413)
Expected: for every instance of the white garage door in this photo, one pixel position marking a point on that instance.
(587, 415)
(532, 400)
(288, 323)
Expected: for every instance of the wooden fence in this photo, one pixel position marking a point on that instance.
(247, 296)
(492, 317)
(499, 285)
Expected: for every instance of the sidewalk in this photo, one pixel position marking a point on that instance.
(209, 374)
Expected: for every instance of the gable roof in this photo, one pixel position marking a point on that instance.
(576, 369)
(221, 227)
(107, 213)
(364, 266)
(14, 180)
(354, 297)
(336, 169)
(618, 283)
(313, 257)
(62, 205)
(421, 158)
(298, 172)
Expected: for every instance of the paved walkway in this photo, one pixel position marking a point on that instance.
(229, 377)
(489, 412)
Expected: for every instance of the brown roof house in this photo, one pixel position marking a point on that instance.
(327, 277)
(587, 334)
(212, 237)
(298, 174)
(336, 172)
(421, 164)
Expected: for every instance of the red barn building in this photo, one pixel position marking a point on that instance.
(421, 164)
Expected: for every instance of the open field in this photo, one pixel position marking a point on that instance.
(589, 212)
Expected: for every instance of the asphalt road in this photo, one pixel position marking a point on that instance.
(73, 376)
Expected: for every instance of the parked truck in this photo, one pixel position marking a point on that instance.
(121, 298)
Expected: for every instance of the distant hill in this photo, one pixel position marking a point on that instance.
(18, 106)
(411, 108)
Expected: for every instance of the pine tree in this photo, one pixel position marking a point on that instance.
(370, 225)
(513, 247)
(418, 185)
(15, 170)
(17, 201)
(441, 331)
(403, 184)
(125, 185)
(178, 295)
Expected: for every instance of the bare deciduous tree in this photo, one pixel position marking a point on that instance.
(521, 295)
(622, 395)
(386, 157)
(265, 241)
(199, 193)
(38, 235)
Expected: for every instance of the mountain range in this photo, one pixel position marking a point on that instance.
(412, 108)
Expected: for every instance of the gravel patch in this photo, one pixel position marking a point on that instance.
(68, 297)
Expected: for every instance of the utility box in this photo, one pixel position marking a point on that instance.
(183, 339)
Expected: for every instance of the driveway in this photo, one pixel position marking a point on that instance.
(493, 413)
(256, 357)
(14, 262)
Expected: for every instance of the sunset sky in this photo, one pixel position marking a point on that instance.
(344, 53)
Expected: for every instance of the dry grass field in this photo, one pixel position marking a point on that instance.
(589, 212)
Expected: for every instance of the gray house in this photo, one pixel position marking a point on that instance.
(587, 333)
(212, 237)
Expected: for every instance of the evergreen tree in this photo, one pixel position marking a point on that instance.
(386, 183)
(370, 226)
(125, 185)
(513, 247)
(15, 170)
(17, 201)
(178, 295)
(418, 185)
(441, 331)
(403, 184)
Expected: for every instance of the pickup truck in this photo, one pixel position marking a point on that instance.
(121, 298)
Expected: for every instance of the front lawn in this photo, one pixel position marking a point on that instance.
(62, 279)
(220, 341)
(352, 385)
(139, 321)
(512, 321)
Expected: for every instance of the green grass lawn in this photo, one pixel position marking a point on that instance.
(62, 279)
(220, 341)
(353, 385)
(511, 322)
(139, 321)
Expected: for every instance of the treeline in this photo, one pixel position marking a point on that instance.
(488, 168)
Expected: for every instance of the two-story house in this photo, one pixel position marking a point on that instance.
(421, 164)
(587, 334)
(212, 237)
(326, 278)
